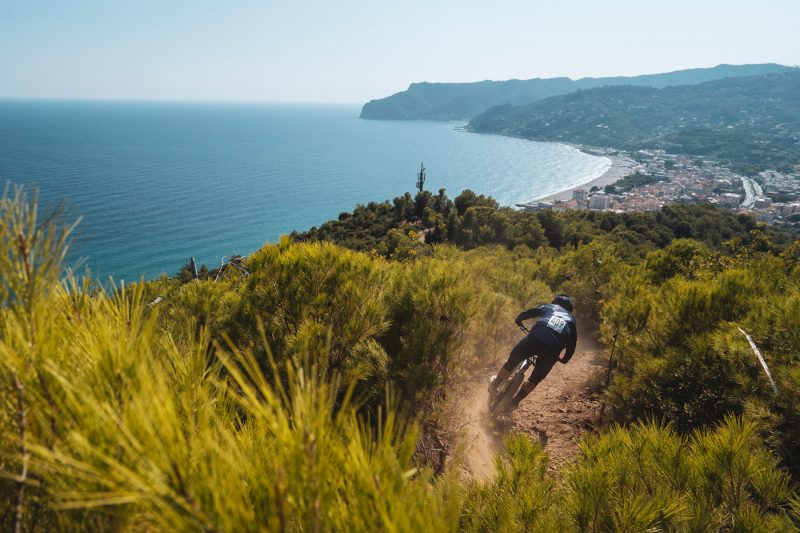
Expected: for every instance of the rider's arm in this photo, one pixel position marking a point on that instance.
(571, 343)
(530, 313)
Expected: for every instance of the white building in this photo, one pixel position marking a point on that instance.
(730, 199)
(762, 203)
(599, 202)
(580, 195)
(790, 209)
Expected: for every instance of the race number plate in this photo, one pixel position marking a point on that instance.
(556, 324)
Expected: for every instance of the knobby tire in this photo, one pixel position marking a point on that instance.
(506, 395)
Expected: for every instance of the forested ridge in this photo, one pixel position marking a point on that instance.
(463, 101)
(752, 122)
(410, 225)
(312, 388)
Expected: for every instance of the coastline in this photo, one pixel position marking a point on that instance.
(618, 169)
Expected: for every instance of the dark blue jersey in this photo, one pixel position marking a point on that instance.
(555, 327)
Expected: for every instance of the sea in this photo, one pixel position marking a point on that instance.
(155, 183)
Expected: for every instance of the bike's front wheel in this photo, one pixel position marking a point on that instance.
(500, 403)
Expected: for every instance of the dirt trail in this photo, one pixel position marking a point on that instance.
(557, 412)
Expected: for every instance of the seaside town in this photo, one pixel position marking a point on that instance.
(651, 179)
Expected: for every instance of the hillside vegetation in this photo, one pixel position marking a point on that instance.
(409, 226)
(462, 101)
(753, 122)
(311, 390)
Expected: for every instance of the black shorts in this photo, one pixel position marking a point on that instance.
(546, 358)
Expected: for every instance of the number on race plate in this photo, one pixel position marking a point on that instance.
(557, 324)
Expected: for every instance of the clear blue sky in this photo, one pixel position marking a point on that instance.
(350, 50)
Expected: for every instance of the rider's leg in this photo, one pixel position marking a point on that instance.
(544, 363)
(519, 353)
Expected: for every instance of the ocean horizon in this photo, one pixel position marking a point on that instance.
(157, 182)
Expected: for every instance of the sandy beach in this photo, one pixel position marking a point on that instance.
(620, 167)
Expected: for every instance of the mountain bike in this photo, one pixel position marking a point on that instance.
(500, 402)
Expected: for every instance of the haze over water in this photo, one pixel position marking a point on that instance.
(157, 183)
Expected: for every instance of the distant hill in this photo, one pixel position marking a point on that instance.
(752, 121)
(462, 101)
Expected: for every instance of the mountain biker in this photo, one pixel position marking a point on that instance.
(555, 329)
